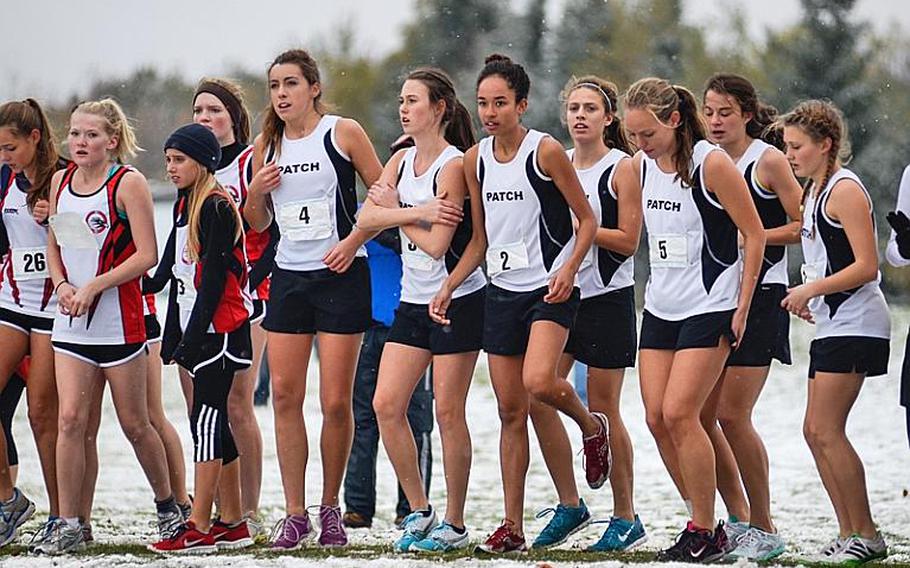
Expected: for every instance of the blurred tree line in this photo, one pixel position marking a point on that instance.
(828, 53)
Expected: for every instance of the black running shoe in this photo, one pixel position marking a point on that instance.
(697, 545)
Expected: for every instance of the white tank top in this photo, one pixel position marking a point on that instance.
(694, 255)
(527, 220)
(603, 270)
(95, 239)
(231, 177)
(25, 285)
(771, 212)
(316, 200)
(858, 312)
(422, 275)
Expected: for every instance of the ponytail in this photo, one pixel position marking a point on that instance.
(24, 117)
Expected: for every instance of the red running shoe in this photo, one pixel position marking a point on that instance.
(597, 454)
(504, 540)
(187, 540)
(231, 537)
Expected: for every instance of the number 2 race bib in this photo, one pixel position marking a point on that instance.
(507, 257)
(29, 263)
(668, 251)
(305, 220)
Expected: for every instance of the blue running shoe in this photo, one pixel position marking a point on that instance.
(417, 526)
(444, 538)
(565, 522)
(621, 535)
(13, 514)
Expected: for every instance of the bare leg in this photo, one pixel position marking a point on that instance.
(728, 482)
(245, 426)
(41, 392)
(173, 449)
(654, 373)
(76, 391)
(604, 394)
(514, 455)
(15, 346)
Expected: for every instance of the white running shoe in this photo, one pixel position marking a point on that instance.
(444, 538)
(758, 545)
(858, 550)
(62, 538)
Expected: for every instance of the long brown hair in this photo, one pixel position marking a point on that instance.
(115, 124)
(820, 120)
(455, 118)
(272, 125)
(761, 125)
(614, 135)
(22, 118)
(204, 186)
(660, 98)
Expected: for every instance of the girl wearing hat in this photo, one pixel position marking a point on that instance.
(207, 333)
(219, 106)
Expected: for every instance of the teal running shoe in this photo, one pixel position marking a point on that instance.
(444, 538)
(621, 535)
(565, 522)
(416, 526)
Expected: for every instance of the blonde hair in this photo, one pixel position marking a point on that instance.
(661, 98)
(819, 120)
(204, 186)
(115, 124)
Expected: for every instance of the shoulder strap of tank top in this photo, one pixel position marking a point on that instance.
(67, 178)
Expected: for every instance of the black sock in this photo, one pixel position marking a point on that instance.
(167, 505)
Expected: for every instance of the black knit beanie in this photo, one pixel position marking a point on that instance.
(197, 142)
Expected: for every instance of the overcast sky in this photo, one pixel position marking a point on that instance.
(52, 48)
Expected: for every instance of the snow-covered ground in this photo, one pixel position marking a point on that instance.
(123, 504)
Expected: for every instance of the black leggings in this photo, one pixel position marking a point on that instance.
(212, 438)
(9, 400)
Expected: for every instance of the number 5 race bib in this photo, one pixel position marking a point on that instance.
(507, 257)
(412, 256)
(668, 251)
(305, 220)
(29, 263)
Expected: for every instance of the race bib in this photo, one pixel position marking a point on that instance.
(186, 293)
(29, 263)
(412, 256)
(668, 251)
(305, 220)
(507, 257)
(71, 231)
(812, 272)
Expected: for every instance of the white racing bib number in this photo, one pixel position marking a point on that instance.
(305, 220)
(29, 263)
(412, 256)
(812, 272)
(71, 231)
(507, 257)
(186, 293)
(668, 251)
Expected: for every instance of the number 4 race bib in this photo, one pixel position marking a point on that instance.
(305, 220)
(29, 263)
(507, 257)
(668, 251)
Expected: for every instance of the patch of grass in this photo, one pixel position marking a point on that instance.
(369, 552)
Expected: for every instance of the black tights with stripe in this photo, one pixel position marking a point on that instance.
(212, 438)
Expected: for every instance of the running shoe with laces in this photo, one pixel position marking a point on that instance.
(696, 545)
(621, 535)
(858, 550)
(331, 530)
(186, 539)
(504, 540)
(186, 509)
(169, 522)
(292, 532)
(444, 538)
(735, 529)
(13, 513)
(43, 533)
(231, 536)
(256, 528)
(597, 458)
(566, 521)
(416, 527)
(62, 538)
(829, 550)
(758, 546)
